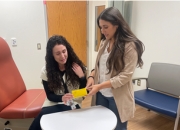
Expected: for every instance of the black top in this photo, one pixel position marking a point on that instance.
(58, 98)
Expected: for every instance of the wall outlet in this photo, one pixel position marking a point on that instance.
(13, 41)
(139, 82)
(39, 46)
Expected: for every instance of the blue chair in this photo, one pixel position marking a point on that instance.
(162, 90)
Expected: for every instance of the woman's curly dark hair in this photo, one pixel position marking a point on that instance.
(52, 67)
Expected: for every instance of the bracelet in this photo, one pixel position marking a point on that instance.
(92, 70)
(90, 77)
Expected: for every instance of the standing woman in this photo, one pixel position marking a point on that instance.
(119, 54)
(63, 73)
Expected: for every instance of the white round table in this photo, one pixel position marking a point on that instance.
(93, 118)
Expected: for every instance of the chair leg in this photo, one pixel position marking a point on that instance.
(6, 123)
(177, 117)
(176, 123)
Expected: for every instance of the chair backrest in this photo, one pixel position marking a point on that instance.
(11, 82)
(165, 77)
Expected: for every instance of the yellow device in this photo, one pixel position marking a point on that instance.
(79, 93)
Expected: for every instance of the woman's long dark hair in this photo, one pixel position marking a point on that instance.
(52, 67)
(122, 35)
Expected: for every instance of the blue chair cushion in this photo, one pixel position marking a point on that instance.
(157, 102)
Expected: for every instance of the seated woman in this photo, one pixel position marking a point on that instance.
(63, 72)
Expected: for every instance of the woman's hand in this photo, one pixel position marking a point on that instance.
(66, 97)
(89, 83)
(77, 70)
(94, 89)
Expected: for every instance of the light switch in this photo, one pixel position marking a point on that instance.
(13, 41)
(39, 46)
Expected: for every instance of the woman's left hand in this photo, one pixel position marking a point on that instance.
(77, 70)
(93, 89)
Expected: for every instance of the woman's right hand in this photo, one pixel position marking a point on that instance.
(66, 97)
(89, 83)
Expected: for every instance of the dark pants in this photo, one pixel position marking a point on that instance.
(47, 110)
(109, 103)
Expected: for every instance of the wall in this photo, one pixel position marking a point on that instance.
(156, 24)
(25, 20)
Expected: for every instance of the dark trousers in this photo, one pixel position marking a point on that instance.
(47, 110)
(109, 103)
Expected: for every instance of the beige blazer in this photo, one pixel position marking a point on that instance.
(122, 87)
